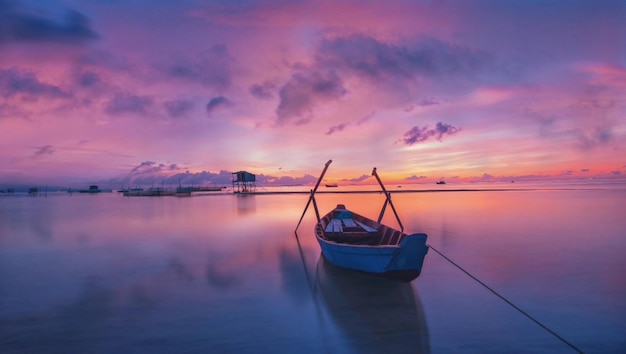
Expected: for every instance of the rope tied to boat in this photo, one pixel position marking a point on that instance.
(506, 300)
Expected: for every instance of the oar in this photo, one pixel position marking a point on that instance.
(313, 192)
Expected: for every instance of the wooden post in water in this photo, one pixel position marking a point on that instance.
(387, 200)
(312, 197)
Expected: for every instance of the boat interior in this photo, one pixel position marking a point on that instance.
(343, 226)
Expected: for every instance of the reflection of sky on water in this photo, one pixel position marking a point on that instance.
(111, 274)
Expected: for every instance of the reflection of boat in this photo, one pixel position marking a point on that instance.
(441, 181)
(332, 185)
(376, 315)
(352, 241)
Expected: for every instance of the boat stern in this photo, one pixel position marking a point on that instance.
(410, 254)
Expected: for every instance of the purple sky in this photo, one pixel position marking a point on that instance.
(119, 91)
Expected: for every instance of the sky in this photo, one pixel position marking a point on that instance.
(137, 91)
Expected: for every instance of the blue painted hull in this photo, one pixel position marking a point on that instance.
(402, 261)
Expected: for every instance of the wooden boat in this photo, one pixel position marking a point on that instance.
(352, 241)
(150, 192)
(92, 190)
(332, 185)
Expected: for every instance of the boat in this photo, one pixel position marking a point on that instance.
(92, 190)
(441, 181)
(150, 192)
(352, 241)
(332, 185)
(207, 189)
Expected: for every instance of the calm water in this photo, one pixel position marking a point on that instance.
(223, 273)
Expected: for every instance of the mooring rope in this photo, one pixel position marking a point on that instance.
(507, 301)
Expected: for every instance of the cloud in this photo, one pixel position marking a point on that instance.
(149, 172)
(445, 129)
(263, 179)
(11, 111)
(365, 118)
(211, 70)
(336, 128)
(414, 178)
(143, 165)
(425, 102)
(215, 103)
(430, 101)
(16, 26)
(89, 79)
(603, 113)
(4, 110)
(161, 174)
(358, 179)
(303, 91)
(126, 103)
(43, 150)
(14, 82)
(601, 134)
(368, 57)
(178, 108)
(263, 91)
(418, 135)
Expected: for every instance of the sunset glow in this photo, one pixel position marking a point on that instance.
(116, 92)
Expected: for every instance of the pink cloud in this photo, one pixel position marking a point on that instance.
(418, 135)
(525, 81)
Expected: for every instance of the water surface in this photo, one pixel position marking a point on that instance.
(224, 273)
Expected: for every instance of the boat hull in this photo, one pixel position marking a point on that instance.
(402, 261)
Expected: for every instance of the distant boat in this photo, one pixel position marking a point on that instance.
(33, 191)
(161, 191)
(150, 192)
(332, 185)
(352, 241)
(441, 181)
(206, 189)
(183, 191)
(92, 189)
(129, 190)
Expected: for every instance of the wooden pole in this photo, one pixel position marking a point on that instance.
(387, 200)
(312, 197)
